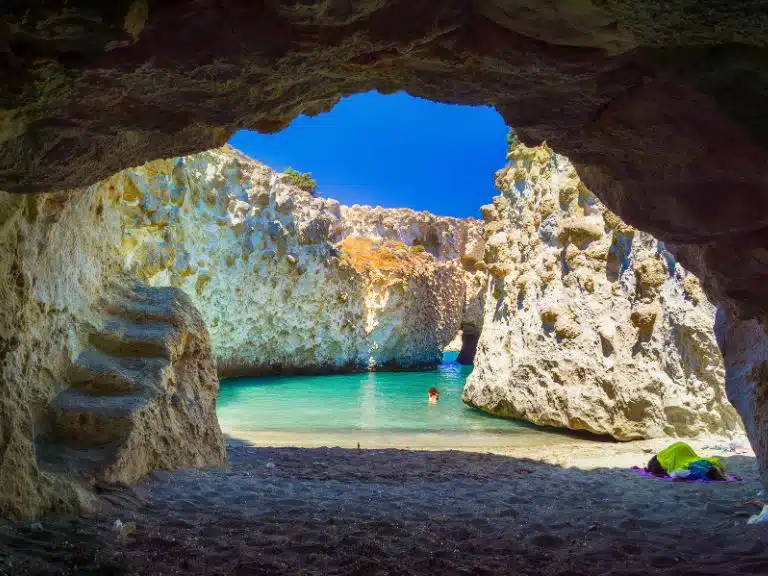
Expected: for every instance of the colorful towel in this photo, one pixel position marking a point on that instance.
(643, 472)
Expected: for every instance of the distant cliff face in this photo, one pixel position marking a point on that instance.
(265, 264)
(451, 239)
(590, 324)
(448, 239)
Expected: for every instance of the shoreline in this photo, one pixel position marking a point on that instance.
(550, 446)
(226, 374)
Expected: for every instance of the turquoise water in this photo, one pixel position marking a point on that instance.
(379, 402)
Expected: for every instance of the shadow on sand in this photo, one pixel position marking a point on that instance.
(340, 511)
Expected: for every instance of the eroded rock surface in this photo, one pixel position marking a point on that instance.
(142, 392)
(444, 237)
(451, 239)
(744, 344)
(288, 282)
(89, 389)
(107, 369)
(661, 106)
(591, 325)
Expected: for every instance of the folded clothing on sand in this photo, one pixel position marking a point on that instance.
(679, 461)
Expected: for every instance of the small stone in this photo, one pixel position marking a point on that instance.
(711, 508)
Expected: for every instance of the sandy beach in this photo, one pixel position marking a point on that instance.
(570, 509)
(548, 445)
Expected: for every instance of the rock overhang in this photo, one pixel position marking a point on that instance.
(660, 106)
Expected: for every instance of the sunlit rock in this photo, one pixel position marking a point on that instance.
(101, 378)
(288, 282)
(591, 325)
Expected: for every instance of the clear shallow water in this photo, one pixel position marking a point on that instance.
(394, 402)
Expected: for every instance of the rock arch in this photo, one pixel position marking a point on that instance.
(661, 106)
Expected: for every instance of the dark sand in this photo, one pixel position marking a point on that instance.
(345, 511)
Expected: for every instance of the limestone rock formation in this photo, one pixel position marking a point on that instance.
(661, 106)
(142, 395)
(119, 396)
(744, 344)
(413, 304)
(444, 237)
(105, 378)
(592, 325)
(261, 260)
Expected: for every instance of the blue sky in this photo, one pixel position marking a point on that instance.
(393, 151)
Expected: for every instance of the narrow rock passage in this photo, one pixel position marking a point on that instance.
(336, 511)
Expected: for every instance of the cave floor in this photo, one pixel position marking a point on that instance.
(347, 511)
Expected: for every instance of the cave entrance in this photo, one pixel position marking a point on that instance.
(395, 185)
(642, 99)
(470, 336)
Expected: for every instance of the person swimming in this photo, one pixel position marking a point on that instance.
(433, 395)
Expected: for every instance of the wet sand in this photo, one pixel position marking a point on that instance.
(384, 511)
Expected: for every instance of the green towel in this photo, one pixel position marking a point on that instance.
(679, 456)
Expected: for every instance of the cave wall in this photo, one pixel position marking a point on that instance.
(60, 260)
(55, 252)
(744, 344)
(661, 106)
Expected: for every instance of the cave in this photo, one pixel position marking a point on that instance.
(470, 336)
(660, 106)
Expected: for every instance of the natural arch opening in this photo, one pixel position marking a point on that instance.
(470, 336)
(660, 107)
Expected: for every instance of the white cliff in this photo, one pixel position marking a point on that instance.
(283, 279)
(589, 324)
(444, 237)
